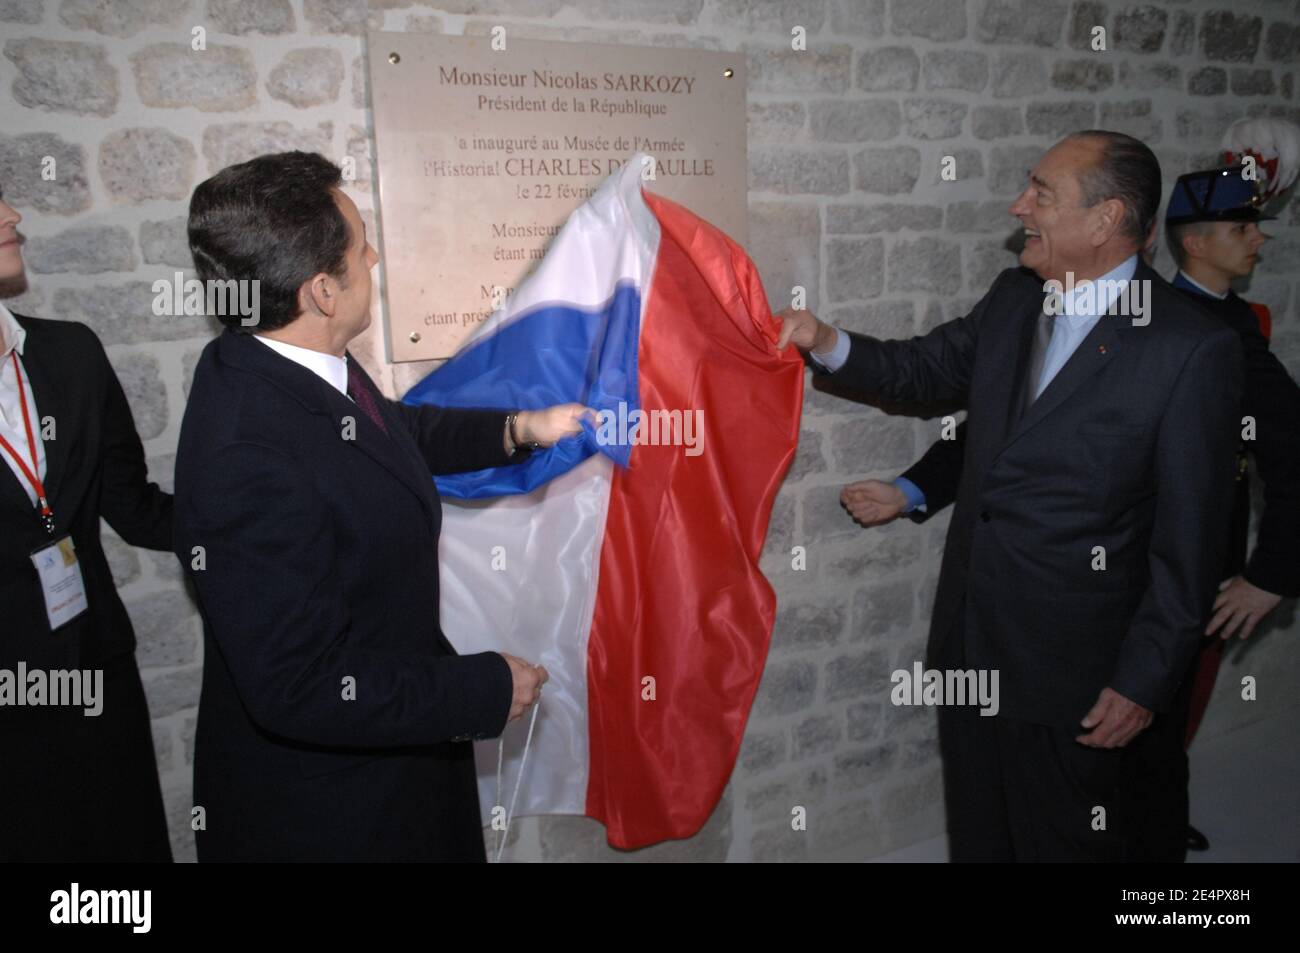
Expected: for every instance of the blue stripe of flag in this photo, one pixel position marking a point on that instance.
(554, 354)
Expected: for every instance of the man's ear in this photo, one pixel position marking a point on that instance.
(1194, 244)
(319, 295)
(1110, 219)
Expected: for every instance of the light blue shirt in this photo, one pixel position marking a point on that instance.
(915, 498)
(1081, 308)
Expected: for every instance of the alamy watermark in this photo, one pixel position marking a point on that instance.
(74, 688)
(947, 687)
(1130, 298)
(74, 906)
(656, 428)
(177, 296)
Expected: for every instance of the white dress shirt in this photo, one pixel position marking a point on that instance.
(333, 370)
(13, 337)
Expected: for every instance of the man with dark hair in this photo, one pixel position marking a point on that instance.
(78, 780)
(336, 719)
(307, 230)
(1071, 567)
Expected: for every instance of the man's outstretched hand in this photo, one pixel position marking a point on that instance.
(873, 502)
(804, 331)
(550, 425)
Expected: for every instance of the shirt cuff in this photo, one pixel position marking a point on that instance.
(915, 498)
(834, 359)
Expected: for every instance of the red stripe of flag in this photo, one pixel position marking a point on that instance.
(681, 597)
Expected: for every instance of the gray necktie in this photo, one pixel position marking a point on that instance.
(1042, 337)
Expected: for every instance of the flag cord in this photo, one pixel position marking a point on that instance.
(501, 747)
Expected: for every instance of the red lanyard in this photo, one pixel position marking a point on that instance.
(47, 514)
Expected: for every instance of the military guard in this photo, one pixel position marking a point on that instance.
(1213, 227)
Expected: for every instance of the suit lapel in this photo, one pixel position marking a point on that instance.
(45, 388)
(43, 377)
(388, 450)
(321, 398)
(1011, 386)
(397, 439)
(12, 492)
(1094, 352)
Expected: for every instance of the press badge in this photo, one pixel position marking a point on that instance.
(61, 582)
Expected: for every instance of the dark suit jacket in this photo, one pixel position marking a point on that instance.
(95, 467)
(319, 580)
(1271, 397)
(71, 787)
(938, 474)
(1129, 448)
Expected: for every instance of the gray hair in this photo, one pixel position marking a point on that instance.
(1127, 171)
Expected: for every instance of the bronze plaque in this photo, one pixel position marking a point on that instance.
(482, 153)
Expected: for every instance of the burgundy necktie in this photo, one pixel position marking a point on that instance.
(361, 395)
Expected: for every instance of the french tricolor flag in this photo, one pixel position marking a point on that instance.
(625, 559)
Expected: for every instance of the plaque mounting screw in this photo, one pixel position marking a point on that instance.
(415, 337)
(394, 58)
(728, 72)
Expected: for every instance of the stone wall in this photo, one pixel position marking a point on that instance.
(845, 144)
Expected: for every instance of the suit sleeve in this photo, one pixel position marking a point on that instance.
(1194, 463)
(938, 474)
(458, 441)
(933, 367)
(271, 594)
(1273, 399)
(137, 509)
